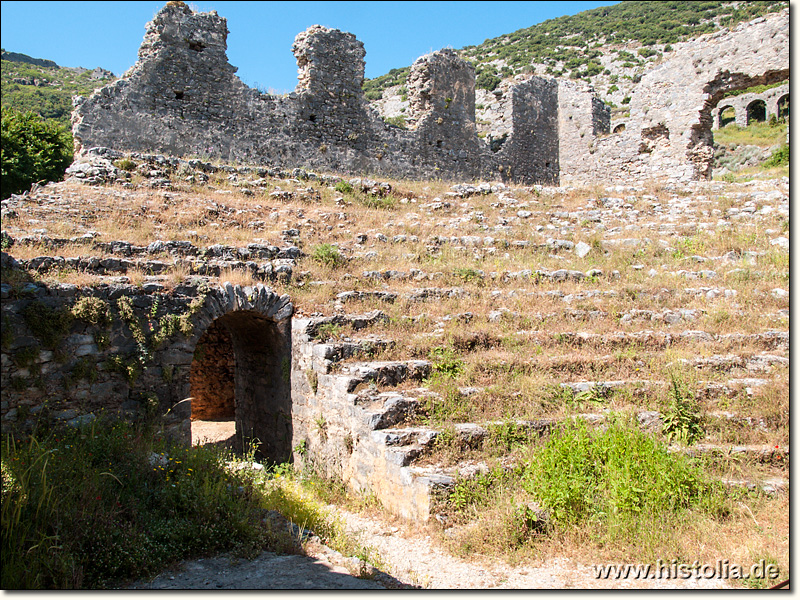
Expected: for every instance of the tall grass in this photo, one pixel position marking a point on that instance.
(618, 481)
(83, 508)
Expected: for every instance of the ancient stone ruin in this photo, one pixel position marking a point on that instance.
(669, 131)
(183, 98)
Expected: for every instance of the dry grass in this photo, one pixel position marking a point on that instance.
(517, 359)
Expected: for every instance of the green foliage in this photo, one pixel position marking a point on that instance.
(49, 325)
(93, 311)
(328, 255)
(52, 97)
(126, 164)
(33, 150)
(88, 507)
(614, 477)
(398, 121)
(475, 491)
(343, 187)
(129, 368)
(446, 362)
(779, 158)
(682, 417)
(373, 88)
(756, 89)
(569, 39)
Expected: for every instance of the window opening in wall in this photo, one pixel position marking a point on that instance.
(197, 46)
(756, 112)
(727, 116)
(783, 107)
(619, 128)
(312, 118)
(178, 95)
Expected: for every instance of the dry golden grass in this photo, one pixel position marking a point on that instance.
(518, 360)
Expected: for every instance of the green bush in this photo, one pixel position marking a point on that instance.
(328, 255)
(779, 158)
(615, 477)
(33, 150)
(86, 507)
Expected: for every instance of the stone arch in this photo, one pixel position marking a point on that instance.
(727, 115)
(783, 107)
(240, 367)
(756, 111)
(619, 128)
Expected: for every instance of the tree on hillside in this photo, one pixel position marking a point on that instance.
(33, 150)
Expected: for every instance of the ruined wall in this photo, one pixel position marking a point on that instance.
(532, 147)
(72, 354)
(739, 103)
(668, 134)
(183, 98)
(582, 117)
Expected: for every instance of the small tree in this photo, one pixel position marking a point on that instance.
(33, 150)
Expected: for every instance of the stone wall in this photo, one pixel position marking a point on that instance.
(182, 98)
(72, 353)
(740, 103)
(582, 118)
(668, 134)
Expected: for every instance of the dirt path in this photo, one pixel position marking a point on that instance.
(409, 560)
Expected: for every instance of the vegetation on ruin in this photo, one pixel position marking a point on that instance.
(101, 505)
(505, 347)
(33, 150)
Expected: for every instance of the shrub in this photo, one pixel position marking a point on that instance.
(33, 150)
(328, 255)
(615, 477)
(779, 158)
(85, 507)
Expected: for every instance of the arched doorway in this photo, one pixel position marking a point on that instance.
(783, 107)
(213, 389)
(756, 112)
(239, 376)
(727, 116)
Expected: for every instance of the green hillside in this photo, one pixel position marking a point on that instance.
(44, 90)
(572, 45)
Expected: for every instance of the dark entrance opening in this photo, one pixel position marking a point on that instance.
(756, 112)
(239, 384)
(783, 107)
(213, 389)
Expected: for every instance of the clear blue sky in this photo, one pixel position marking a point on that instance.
(395, 34)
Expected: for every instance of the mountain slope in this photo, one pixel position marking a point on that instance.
(634, 32)
(43, 87)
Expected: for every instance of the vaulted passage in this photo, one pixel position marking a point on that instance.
(239, 380)
(756, 112)
(727, 116)
(783, 107)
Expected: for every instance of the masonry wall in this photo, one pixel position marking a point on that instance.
(72, 354)
(183, 98)
(668, 134)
